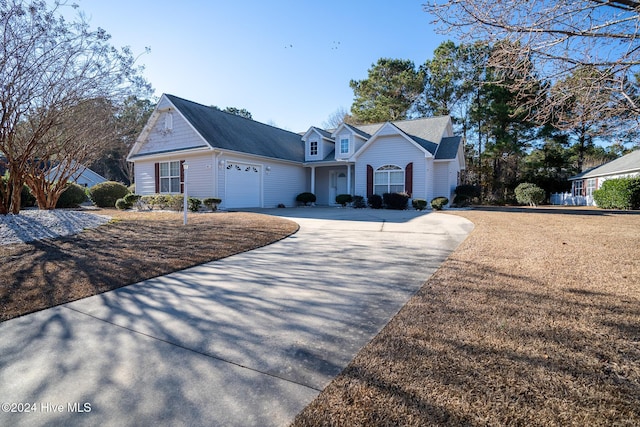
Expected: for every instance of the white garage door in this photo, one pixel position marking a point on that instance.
(243, 186)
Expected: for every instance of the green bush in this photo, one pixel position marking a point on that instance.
(212, 203)
(132, 188)
(132, 199)
(529, 194)
(194, 204)
(162, 201)
(468, 191)
(461, 201)
(122, 204)
(396, 201)
(72, 196)
(439, 202)
(147, 202)
(620, 193)
(343, 199)
(419, 204)
(27, 199)
(375, 201)
(105, 194)
(358, 202)
(306, 198)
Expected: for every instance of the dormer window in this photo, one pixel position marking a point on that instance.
(313, 148)
(344, 146)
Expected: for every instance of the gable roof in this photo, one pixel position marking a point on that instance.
(448, 148)
(625, 164)
(235, 133)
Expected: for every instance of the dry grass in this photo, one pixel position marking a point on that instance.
(132, 247)
(533, 320)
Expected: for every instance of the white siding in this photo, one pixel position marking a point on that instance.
(199, 175)
(392, 150)
(280, 184)
(442, 186)
(327, 148)
(179, 137)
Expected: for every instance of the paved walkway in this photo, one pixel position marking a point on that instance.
(248, 340)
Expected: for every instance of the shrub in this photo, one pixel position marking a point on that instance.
(620, 193)
(105, 194)
(122, 204)
(461, 201)
(162, 201)
(358, 202)
(176, 202)
(194, 204)
(419, 204)
(132, 199)
(72, 196)
(397, 201)
(439, 202)
(467, 190)
(343, 199)
(147, 202)
(375, 201)
(212, 203)
(27, 199)
(529, 194)
(306, 198)
(132, 188)
(281, 205)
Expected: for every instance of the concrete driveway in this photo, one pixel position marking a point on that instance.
(248, 340)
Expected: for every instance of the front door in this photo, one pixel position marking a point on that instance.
(337, 185)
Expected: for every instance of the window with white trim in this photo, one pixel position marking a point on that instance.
(388, 179)
(344, 146)
(313, 148)
(170, 177)
(591, 186)
(577, 187)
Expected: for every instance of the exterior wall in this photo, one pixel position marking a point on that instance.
(327, 147)
(322, 186)
(392, 150)
(280, 184)
(179, 137)
(200, 175)
(444, 176)
(321, 148)
(344, 134)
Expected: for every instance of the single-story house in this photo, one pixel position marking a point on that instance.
(583, 185)
(250, 164)
(83, 176)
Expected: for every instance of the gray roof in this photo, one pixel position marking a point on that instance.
(426, 132)
(625, 164)
(231, 132)
(448, 148)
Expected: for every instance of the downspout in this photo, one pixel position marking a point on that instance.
(313, 179)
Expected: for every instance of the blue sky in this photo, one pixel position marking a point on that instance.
(288, 62)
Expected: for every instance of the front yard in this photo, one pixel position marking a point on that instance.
(134, 246)
(533, 321)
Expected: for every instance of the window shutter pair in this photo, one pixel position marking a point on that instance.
(157, 177)
(408, 180)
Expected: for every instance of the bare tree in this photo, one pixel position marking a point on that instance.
(559, 37)
(48, 68)
(335, 119)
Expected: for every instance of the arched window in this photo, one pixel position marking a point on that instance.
(388, 179)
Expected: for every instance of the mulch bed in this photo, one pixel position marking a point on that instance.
(533, 321)
(134, 246)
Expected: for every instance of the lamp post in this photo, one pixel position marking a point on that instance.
(185, 204)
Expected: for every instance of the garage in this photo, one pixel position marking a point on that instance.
(243, 189)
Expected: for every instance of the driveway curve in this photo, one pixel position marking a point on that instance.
(247, 340)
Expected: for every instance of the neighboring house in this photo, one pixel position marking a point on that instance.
(83, 176)
(584, 184)
(249, 164)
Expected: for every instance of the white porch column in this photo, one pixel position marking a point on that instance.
(349, 179)
(313, 179)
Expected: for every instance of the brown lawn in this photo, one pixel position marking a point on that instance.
(134, 246)
(533, 321)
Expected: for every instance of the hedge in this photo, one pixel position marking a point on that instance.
(620, 193)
